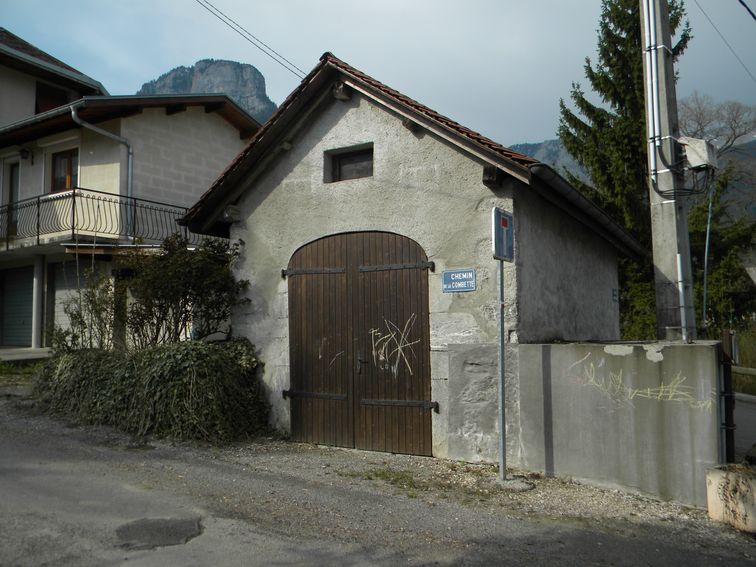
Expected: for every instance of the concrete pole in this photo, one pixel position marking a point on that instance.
(675, 315)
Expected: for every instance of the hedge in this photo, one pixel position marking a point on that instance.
(186, 390)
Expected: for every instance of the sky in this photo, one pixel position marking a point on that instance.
(496, 66)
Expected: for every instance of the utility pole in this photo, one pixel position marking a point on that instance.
(675, 315)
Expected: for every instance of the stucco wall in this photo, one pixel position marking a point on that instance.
(423, 188)
(573, 271)
(35, 172)
(102, 161)
(17, 95)
(178, 156)
(642, 416)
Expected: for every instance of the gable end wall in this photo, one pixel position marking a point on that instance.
(423, 188)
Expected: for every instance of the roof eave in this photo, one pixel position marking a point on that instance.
(25, 130)
(584, 210)
(69, 76)
(204, 215)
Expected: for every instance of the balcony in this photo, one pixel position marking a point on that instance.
(88, 216)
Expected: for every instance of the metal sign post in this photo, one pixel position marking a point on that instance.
(502, 238)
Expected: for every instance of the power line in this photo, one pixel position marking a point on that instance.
(748, 9)
(726, 42)
(259, 44)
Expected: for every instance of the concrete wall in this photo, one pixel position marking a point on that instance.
(428, 190)
(17, 95)
(640, 416)
(178, 156)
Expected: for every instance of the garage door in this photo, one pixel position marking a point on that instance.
(16, 307)
(360, 343)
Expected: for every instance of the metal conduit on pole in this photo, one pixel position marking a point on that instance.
(129, 156)
(669, 228)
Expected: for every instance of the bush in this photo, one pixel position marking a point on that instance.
(189, 390)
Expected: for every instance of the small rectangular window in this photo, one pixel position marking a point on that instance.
(349, 164)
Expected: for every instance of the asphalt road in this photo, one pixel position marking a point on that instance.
(87, 496)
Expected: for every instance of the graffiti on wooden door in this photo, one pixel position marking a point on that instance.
(391, 346)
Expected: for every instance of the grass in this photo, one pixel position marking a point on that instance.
(26, 368)
(13, 374)
(744, 384)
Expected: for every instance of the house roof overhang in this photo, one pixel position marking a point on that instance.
(96, 109)
(20, 55)
(208, 214)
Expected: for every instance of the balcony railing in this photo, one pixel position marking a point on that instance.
(89, 215)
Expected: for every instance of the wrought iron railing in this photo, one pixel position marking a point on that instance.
(86, 214)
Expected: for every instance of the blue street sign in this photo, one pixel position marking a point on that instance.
(502, 234)
(459, 280)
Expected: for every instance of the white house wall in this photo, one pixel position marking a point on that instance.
(17, 95)
(178, 156)
(102, 161)
(423, 188)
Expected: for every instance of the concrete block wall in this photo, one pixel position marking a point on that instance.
(178, 156)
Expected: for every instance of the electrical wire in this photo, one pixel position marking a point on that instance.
(726, 42)
(742, 2)
(259, 44)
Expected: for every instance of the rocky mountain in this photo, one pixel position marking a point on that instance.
(243, 83)
(552, 152)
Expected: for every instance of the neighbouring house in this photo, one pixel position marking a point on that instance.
(84, 173)
(32, 81)
(366, 223)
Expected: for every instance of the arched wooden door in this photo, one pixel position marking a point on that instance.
(359, 343)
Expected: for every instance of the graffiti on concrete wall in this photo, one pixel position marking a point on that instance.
(613, 385)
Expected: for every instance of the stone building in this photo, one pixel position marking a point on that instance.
(358, 207)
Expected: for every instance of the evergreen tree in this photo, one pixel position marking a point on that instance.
(609, 140)
(731, 295)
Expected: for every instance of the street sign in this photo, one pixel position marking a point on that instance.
(459, 280)
(502, 234)
(502, 241)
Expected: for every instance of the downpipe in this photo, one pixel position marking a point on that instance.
(129, 159)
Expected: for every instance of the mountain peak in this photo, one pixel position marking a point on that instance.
(241, 82)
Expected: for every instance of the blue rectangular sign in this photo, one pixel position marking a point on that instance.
(502, 234)
(459, 280)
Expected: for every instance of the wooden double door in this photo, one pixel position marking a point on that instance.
(359, 343)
